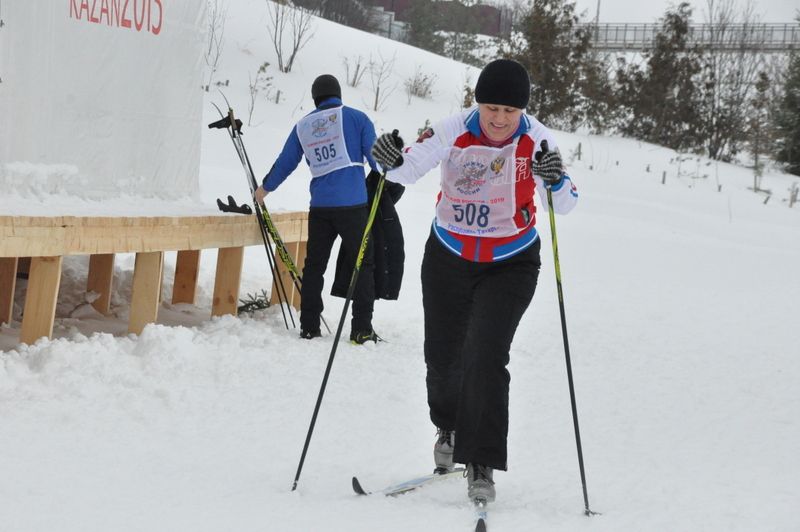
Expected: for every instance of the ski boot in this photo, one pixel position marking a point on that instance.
(480, 486)
(310, 335)
(362, 337)
(443, 451)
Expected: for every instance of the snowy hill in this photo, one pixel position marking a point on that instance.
(681, 300)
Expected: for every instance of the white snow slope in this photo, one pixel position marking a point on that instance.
(681, 301)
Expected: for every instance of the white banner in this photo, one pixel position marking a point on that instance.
(101, 97)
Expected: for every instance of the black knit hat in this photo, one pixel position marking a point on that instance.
(504, 82)
(325, 86)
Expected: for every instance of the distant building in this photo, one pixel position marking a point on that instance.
(387, 25)
(493, 21)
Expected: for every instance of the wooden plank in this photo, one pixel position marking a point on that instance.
(100, 280)
(40, 299)
(145, 292)
(226, 284)
(24, 236)
(187, 266)
(8, 281)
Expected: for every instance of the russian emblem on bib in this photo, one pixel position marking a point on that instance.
(471, 179)
(320, 127)
(497, 165)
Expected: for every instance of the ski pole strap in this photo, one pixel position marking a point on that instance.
(232, 120)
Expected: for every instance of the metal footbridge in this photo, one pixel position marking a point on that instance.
(756, 38)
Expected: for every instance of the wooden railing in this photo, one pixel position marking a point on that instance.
(46, 240)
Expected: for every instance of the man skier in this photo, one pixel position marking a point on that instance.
(335, 140)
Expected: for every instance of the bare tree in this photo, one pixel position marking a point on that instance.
(468, 99)
(288, 23)
(262, 82)
(380, 70)
(758, 127)
(732, 64)
(354, 70)
(217, 13)
(420, 84)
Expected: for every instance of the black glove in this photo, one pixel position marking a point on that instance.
(548, 165)
(386, 150)
(231, 206)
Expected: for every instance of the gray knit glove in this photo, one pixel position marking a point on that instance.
(548, 165)
(386, 150)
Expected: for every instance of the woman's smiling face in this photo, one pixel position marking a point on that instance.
(498, 122)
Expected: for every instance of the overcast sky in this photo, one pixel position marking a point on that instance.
(650, 10)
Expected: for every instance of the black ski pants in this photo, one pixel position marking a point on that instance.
(324, 225)
(472, 311)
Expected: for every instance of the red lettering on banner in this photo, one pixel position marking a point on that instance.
(91, 15)
(114, 13)
(137, 21)
(104, 9)
(156, 29)
(126, 22)
(141, 15)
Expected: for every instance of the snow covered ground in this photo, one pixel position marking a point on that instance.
(681, 300)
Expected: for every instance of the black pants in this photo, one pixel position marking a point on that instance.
(471, 314)
(324, 225)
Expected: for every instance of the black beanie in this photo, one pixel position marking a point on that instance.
(325, 86)
(504, 82)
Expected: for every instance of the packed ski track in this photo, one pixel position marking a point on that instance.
(681, 303)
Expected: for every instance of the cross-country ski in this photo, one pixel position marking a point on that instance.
(481, 517)
(409, 485)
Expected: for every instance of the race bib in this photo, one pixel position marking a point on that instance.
(478, 191)
(322, 138)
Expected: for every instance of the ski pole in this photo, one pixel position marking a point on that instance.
(587, 511)
(236, 127)
(272, 230)
(229, 122)
(280, 247)
(350, 290)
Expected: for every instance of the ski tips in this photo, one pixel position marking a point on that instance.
(357, 487)
(225, 98)
(480, 511)
(236, 121)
